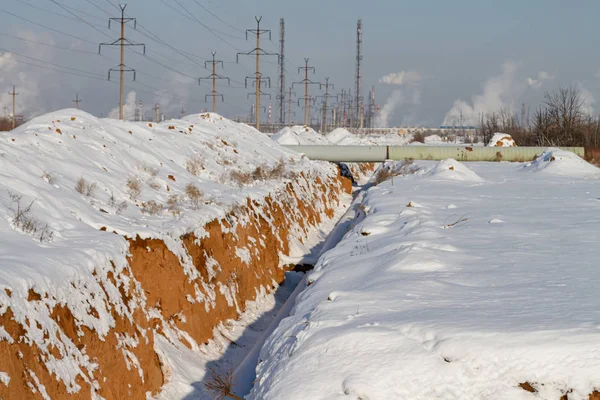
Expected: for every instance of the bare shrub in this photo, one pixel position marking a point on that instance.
(389, 170)
(154, 185)
(194, 194)
(173, 205)
(23, 221)
(418, 137)
(220, 385)
(84, 187)
(152, 208)
(118, 207)
(48, 177)
(194, 165)
(134, 188)
(242, 178)
(260, 173)
(278, 171)
(149, 170)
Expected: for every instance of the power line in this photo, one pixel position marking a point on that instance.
(122, 42)
(46, 27)
(49, 11)
(217, 17)
(86, 75)
(47, 44)
(79, 18)
(193, 18)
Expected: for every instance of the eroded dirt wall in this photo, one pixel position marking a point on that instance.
(53, 354)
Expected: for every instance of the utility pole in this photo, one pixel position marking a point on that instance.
(344, 118)
(182, 113)
(214, 78)
(156, 113)
(289, 101)
(14, 104)
(326, 103)
(307, 99)
(281, 95)
(258, 79)
(359, 32)
(77, 101)
(122, 42)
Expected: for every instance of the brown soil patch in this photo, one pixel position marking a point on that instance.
(156, 292)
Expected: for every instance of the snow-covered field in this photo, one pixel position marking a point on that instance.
(75, 190)
(460, 281)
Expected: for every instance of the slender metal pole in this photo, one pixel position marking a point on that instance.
(214, 83)
(122, 66)
(306, 109)
(258, 77)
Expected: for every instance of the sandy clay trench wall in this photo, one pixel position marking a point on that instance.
(52, 353)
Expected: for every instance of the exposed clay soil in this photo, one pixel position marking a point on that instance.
(160, 298)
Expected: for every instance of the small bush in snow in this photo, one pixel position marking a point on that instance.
(173, 205)
(220, 385)
(242, 178)
(49, 178)
(134, 188)
(278, 171)
(118, 207)
(194, 194)
(194, 165)
(152, 208)
(418, 137)
(23, 221)
(84, 187)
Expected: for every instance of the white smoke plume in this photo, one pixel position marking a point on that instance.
(587, 99)
(397, 99)
(128, 108)
(542, 77)
(499, 92)
(401, 78)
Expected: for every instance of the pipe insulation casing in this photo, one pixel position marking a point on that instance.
(437, 153)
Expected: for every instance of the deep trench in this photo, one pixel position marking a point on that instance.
(254, 335)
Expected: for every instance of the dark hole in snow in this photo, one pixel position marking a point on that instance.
(303, 268)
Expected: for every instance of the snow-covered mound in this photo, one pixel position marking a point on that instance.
(299, 135)
(502, 140)
(480, 292)
(450, 169)
(431, 139)
(560, 162)
(116, 233)
(342, 137)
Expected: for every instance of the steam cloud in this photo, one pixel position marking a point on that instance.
(499, 92)
(402, 77)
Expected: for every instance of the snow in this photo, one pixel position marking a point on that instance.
(4, 378)
(299, 135)
(489, 280)
(433, 139)
(343, 137)
(559, 162)
(502, 140)
(133, 179)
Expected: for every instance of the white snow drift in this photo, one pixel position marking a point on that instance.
(452, 284)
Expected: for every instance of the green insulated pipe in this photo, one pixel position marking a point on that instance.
(382, 153)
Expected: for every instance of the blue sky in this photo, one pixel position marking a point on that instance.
(503, 52)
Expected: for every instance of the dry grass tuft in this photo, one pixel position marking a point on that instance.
(194, 194)
(220, 385)
(134, 188)
(23, 221)
(195, 165)
(173, 205)
(152, 208)
(84, 187)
